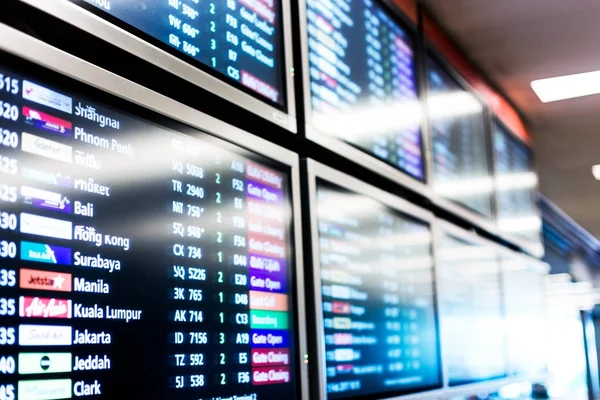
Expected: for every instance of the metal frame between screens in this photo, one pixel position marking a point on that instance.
(515, 239)
(441, 228)
(28, 48)
(317, 170)
(339, 146)
(96, 26)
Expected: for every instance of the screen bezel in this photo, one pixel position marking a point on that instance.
(42, 55)
(316, 171)
(89, 22)
(525, 244)
(345, 149)
(444, 228)
(474, 217)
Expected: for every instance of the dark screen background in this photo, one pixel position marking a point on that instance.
(194, 306)
(378, 298)
(239, 41)
(363, 81)
(460, 156)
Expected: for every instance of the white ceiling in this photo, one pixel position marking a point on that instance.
(517, 41)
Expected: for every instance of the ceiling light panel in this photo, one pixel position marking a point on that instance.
(567, 87)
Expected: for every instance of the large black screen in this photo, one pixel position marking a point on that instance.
(378, 298)
(516, 184)
(239, 40)
(461, 160)
(362, 81)
(137, 262)
(472, 312)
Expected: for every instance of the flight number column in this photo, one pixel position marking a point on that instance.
(195, 28)
(185, 20)
(189, 339)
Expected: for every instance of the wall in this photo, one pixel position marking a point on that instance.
(436, 36)
(409, 7)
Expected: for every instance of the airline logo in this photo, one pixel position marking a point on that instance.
(342, 339)
(46, 148)
(47, 122)
(33, 193)
(45, 253)
(340, 276)
(340, 292)
(344, 368)
(46, 200)
(342, 323)
(47, 177)
(44, 307)
(44, 96)
(45, 335)
(44, 363)
(341, 307)
(44, 280)
(44, 226)
(49, 389)
(343, 355)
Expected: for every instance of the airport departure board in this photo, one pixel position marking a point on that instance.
(516, 183)
(526, 315)
(240, 41)
(471, 310)
(378, 298)
(461, 159)
(136, 261)
(363, 84)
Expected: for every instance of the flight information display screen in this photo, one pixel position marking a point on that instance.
(137, 261)
(240, 41)
(516, 183)
(461, 161)
(363, 84)
(378, 298)
(472, 313)
(525, 300)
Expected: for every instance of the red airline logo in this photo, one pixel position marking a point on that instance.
(342, 339)
(43, 307)
(341, 307)
(45, 280)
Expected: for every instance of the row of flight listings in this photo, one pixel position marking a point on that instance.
(143, 258)
(361, 92)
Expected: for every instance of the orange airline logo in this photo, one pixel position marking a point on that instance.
(45, 280)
